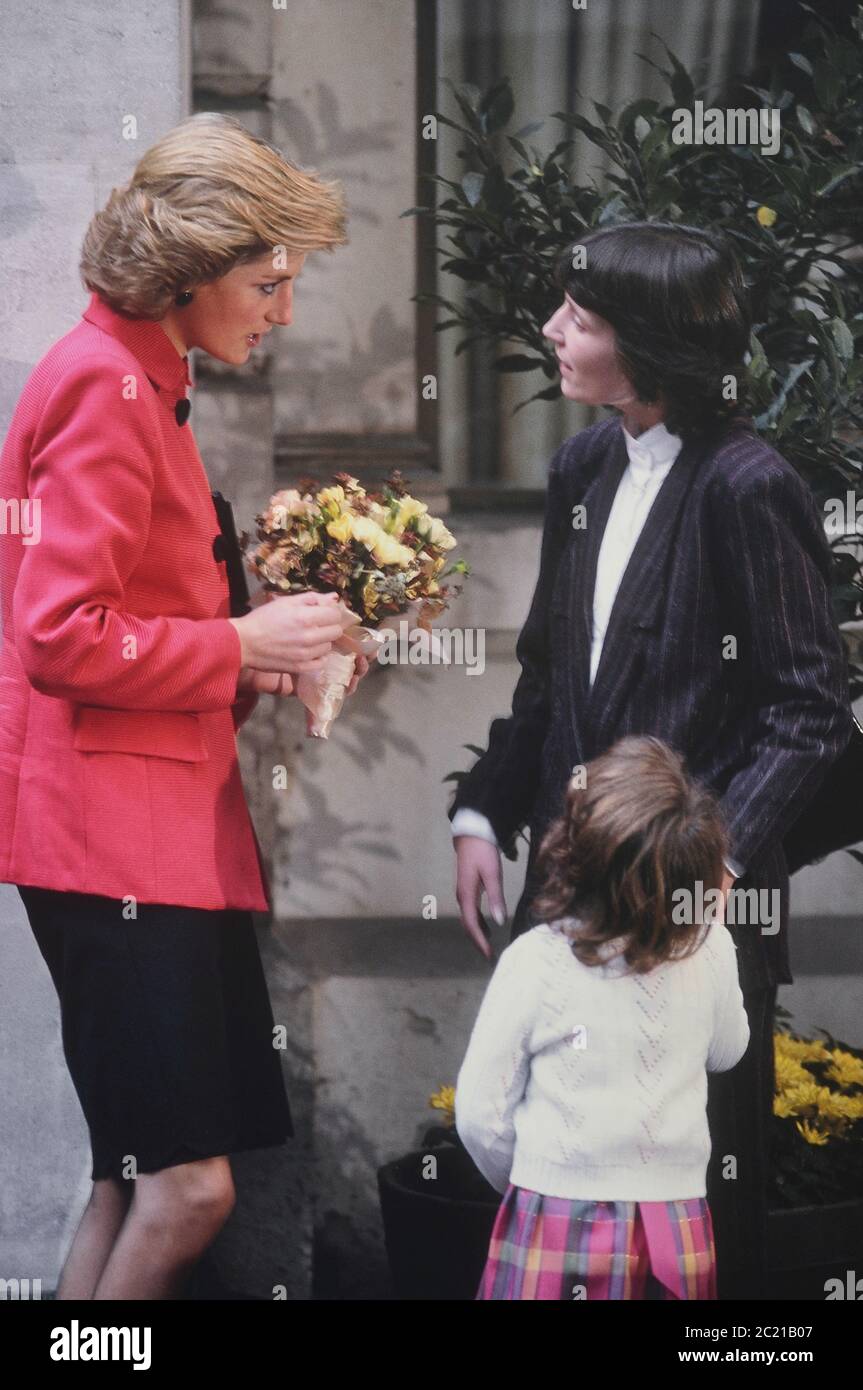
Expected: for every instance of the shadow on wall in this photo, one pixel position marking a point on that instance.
(329, 843)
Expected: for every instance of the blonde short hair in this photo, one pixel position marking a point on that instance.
(206, 197)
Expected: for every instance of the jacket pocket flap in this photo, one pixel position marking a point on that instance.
(155, 733)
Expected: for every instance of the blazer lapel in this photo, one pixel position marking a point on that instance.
(597, 502)
(595, 710)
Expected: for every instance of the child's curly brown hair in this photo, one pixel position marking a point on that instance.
(630, 839)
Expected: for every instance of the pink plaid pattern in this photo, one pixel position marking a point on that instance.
(557, 1248)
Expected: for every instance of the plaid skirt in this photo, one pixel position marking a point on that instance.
(561, 1248)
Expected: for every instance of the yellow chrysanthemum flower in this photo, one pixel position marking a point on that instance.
(811, 1135)
(766, 216)
(800, 1097)
(821, 1113)
(789, 1072)
(834, 1105)
(802, 1049)
(444, 1100)
(845, 1068)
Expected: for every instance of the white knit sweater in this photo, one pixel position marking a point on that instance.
(587, 1082)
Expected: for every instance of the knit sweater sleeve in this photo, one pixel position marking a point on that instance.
(730, 1037)
(495, 1070)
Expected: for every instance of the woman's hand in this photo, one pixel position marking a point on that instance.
(478, 869)
(264, 682)
(362, 666)
(289, 633)
(267, 682)
(283, 683)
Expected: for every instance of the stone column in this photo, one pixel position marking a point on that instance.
(335, 88)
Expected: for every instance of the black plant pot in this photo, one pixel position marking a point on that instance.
(437, 1238)
(809, 1245)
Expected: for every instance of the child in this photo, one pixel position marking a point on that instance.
(582, 1096)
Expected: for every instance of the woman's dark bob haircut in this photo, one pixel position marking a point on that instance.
(676, 300)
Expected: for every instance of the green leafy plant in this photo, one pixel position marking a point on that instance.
(794, 218)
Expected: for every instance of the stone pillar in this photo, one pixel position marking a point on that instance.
(334, 87)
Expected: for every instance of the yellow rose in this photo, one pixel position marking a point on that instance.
(766, 216)
(364, 530)
(332, 497)
(435, 532)
(388, 551)
(340, 529)
(409, 507)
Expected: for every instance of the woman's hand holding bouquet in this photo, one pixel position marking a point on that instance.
(284, 637)
(281, 683)
(252, 680)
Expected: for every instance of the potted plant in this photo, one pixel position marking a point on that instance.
(438, 1210)
(816, 1194)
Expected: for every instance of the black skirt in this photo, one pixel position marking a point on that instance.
(167, 1029)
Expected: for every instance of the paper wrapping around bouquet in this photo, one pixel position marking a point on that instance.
(323, 692)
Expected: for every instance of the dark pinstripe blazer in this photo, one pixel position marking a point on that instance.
(733, 545)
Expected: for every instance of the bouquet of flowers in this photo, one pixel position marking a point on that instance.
(380, 551)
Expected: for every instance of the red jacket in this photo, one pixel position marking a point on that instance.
(118, 668)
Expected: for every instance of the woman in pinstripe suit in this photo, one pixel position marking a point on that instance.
(683, 592)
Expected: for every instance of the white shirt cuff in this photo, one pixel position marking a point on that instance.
(468, 822)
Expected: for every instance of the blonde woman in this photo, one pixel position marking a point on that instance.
(123, 681)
